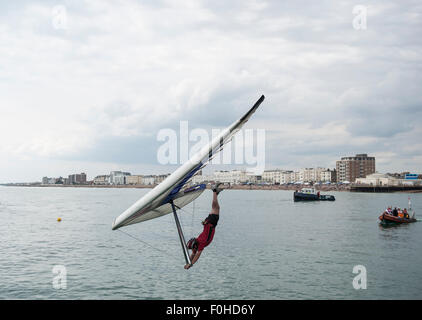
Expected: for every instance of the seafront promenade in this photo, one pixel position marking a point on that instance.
(234, 187)
(292, 187)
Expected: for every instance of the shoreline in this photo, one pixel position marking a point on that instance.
(323, 188)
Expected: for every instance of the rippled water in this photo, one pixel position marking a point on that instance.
(265, 247)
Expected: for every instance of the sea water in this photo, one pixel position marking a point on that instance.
(265, 247)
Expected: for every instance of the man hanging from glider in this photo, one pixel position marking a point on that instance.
(204, 239)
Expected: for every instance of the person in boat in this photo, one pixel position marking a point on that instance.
(198, 244)
(405, 213)
(395, 212)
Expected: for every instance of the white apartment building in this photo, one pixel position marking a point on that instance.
(232, 177)
(148, 180)
(310, 174)
(272, 176)
(276, 176)
(118, 177)
(287, 177)
(101, 180)
(328, 176)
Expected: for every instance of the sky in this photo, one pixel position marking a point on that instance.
(85, 86)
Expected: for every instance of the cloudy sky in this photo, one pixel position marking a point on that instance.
(87, 85)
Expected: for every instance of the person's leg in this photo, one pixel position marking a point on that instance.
(215, 206)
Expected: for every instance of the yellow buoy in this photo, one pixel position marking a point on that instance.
(59, 219)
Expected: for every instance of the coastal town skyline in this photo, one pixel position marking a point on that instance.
(347, 170)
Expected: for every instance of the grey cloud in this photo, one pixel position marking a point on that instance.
(305, 56)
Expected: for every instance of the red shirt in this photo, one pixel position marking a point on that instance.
(205, 238)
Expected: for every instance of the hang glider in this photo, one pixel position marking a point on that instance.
(168, 195)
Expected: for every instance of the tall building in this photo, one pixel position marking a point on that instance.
(77, 178)
(350, 168)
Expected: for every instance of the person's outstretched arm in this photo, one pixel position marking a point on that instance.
(195, 258)
(192, 254)
(215, 209)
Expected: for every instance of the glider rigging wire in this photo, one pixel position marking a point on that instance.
(147, 244)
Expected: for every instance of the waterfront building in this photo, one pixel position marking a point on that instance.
(118, 177)
(328, 175)
(160, 178)
(148, 180)
(101, 180)
(381, 179)
(287, 177)
(310, 174)
(134, 179)
(199, 178)
(350, 168)
(272, 176)
(230, 177)
(78, 178)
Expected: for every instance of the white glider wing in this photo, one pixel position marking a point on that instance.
(157, 202)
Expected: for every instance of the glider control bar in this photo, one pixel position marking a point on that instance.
(182, 238)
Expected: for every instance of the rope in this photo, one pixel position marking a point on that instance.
(147, 244)
(193, 215)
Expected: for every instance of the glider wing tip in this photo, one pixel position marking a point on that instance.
(114, 226)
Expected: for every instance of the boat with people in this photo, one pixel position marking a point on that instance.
(309, 194)
(396, 216)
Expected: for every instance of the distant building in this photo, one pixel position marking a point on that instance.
(44, 180)
(59, 180)
(199, 178)
(328, 175)
(101, 180)
(161, 177)
(287, 176)
(351, 168)
(148, 180)
(310, 174)
(231, 177)
(381, 179)
(134, 179)
(118, 177)
(79, 178)
(272, 176)
(278, 176)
